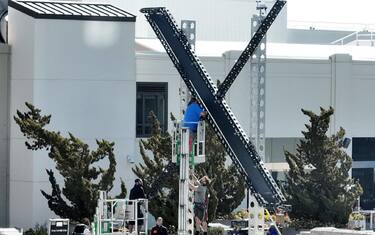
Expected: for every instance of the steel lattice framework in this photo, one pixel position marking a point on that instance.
(225, 124)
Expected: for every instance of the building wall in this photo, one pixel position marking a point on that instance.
(291, 84)
(4, 132)
(21, 38)
(81, 72)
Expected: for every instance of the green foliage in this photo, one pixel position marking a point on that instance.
(227, 188)
(76, 163)
(319, 187)
(160, 146)
(215, 231)
(37, 230)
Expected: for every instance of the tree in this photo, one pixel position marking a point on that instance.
(227, 189)
(76, 163)
(319, 187)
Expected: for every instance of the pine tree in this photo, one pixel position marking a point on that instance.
(83, 178)
(319, 186)
(227, 188)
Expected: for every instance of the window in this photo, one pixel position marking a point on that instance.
(366, 179)
(151, 97)
(363, 149)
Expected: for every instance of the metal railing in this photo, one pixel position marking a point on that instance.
(115, 215)
(357, 38)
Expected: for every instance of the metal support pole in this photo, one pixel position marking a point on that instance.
(257, 118)
(258, 91)
(256, 218)
(186, 210)
(189, 29)
(185, 207)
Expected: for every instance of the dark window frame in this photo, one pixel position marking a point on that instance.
(363, 149)
(148, 90)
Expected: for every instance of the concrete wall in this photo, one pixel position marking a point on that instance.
(81, 72)
(4, 133)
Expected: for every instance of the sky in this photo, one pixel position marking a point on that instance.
(345, 13)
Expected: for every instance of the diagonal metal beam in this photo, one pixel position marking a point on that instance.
(250, 48)
(220, 117)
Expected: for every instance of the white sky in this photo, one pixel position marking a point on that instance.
(348, 13)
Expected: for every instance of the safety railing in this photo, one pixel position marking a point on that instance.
(194, 143)
(357, 38)
(121, 216)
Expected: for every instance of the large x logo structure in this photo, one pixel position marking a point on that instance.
(220, 116)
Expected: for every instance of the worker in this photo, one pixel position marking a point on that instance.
(201, 195)
(159, 229)
(193, 114)
(137, 192)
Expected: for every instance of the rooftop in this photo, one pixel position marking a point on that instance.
(72, 11)
(274, 50)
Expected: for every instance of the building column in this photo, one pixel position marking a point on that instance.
(341, 76)
(4, 134)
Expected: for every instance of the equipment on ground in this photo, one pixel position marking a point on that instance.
(58, 227)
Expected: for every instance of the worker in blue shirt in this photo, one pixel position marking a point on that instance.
(193, 114)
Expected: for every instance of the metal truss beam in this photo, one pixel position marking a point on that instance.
(250, 48)
(220, 116)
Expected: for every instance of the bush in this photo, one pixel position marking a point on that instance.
(37, 230)
(215, 231)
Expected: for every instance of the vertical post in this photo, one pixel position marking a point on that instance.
(185, 219)
(371, 213)
(257, 117)
(256, 217)
(146, 217)
(186, 226)
(111, 203)
(189, 29)
(136, 216)
(258, 91)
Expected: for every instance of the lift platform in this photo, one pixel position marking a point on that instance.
(113, 216)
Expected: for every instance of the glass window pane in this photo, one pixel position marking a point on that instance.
(366, 179)
(363, 149)
(150, 97)
(139, 110)
(150, 105)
